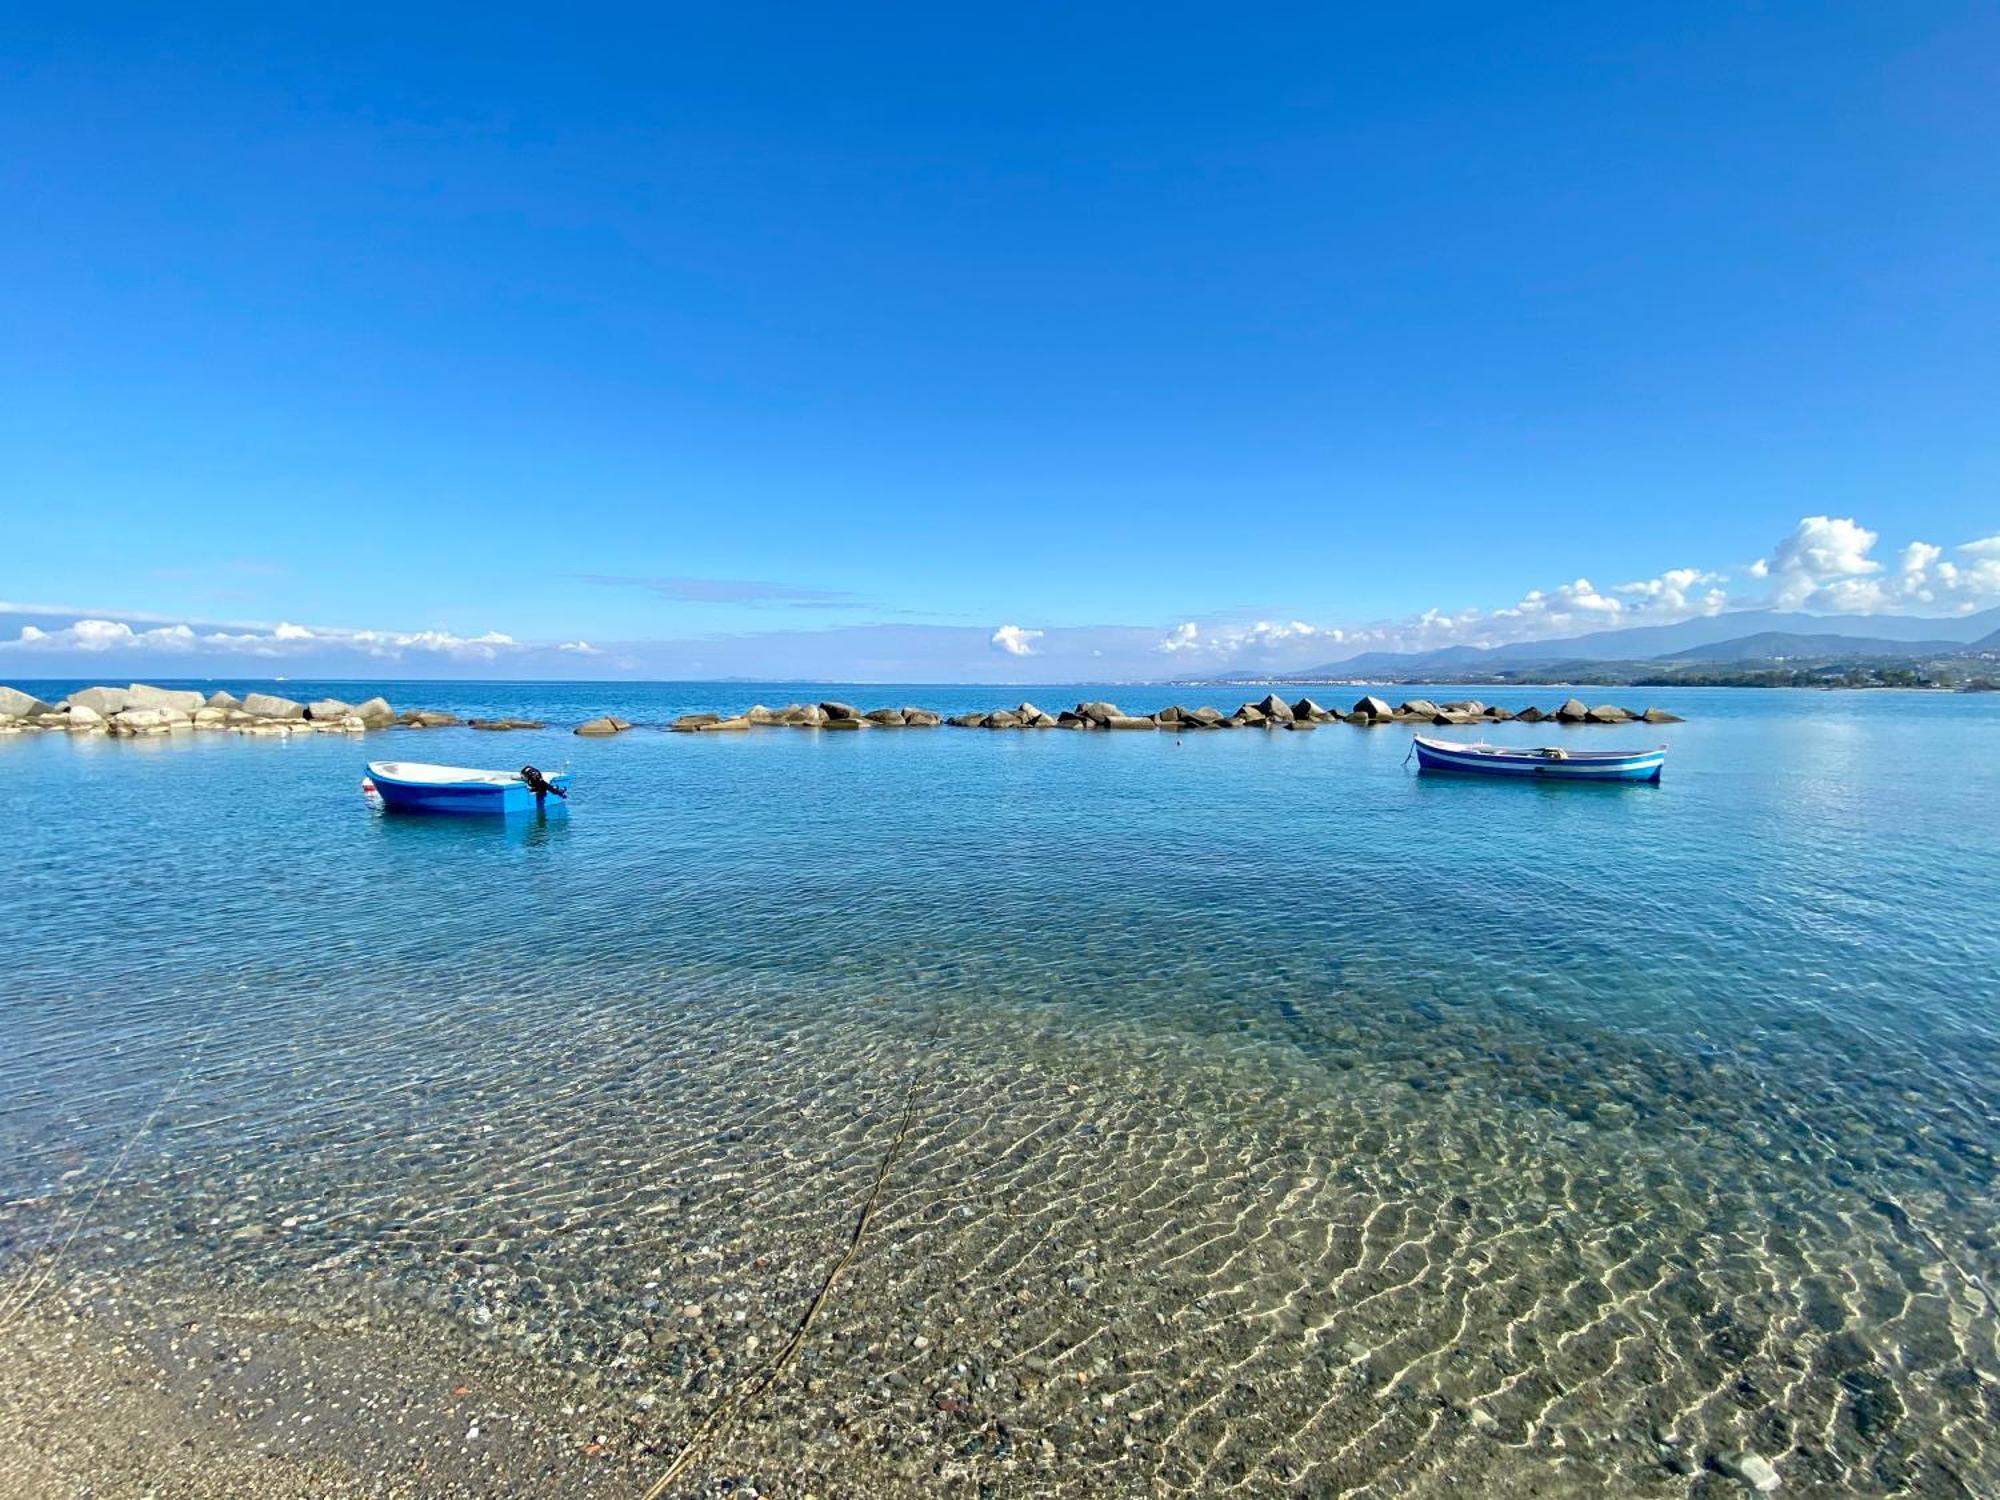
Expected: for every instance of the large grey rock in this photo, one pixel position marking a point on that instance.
(1660, 716)
(1372, 707)
(805, 715)
(888, 718)
(689, 723)
(1207, 717)
(1465, 706)
(1169, 716)
(920, 718)
(1609, 713)
(83, 716)
(1306, 709)
(840, 711)
(1099, 713)
(739, 722)
(223, 699)
(1573, 711)
(1249, 714)
(757, 713)
(331, 710)
(105, 701)
(427, 718)
(1129, 721)
(1001, 718)
(143, 721)
(375, 713)
(833, 723)
(1271, 706)
(1417, 708)
(16, 704)
(173, 700)
(1530, 715)
(967, 721)
(604, 724)
(271, 706)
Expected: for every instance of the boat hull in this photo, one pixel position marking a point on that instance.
(1599, 765)
(465, 798)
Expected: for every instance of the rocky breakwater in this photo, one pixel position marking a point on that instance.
(142, 710)
(835, 716)
(1269, 712)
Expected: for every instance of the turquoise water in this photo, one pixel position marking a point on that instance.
(1482, 1132)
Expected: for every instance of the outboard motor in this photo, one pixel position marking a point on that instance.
(539, 784)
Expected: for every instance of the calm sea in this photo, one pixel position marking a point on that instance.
(1332, 1126)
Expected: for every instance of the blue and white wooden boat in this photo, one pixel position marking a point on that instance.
(413, 786)
(1549, 763)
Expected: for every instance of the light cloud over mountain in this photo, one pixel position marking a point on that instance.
(1823, 565)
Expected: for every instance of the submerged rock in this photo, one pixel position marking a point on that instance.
(1748, 1469)
(605, 724)
(427, 718)
(1660, 716)
(687, 723)
(508, 724)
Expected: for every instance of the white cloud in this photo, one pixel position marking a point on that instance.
(96, 635)
(579, 648)
(1015, 641)
(1822, 559)
(1183, 637)
(1825, 566)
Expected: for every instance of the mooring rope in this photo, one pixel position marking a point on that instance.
(725, 1412)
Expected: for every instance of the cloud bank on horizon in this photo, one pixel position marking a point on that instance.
(1825, 565)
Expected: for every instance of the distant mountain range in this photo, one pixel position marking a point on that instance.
(1739, 636)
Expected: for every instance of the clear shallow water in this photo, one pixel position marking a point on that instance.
(1281, 1119)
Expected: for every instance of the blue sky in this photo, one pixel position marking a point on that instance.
(741, 338)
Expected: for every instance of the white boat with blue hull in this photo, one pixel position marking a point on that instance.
(414, 786)
(1544, 763)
